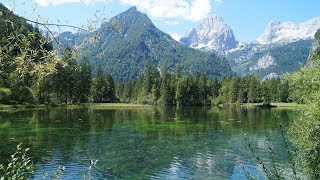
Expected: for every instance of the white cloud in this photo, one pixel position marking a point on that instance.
(175, 36)
(59, 2)
(190, 10)
(218, 1)
(172, 22)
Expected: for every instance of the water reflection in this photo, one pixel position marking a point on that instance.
(153, 143)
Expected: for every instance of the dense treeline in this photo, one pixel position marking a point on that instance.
(165, 88)
(72, 82)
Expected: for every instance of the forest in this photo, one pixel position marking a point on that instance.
(73, 82)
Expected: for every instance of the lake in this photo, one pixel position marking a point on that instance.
(148, 142)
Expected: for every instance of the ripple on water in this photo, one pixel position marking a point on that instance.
(175, 171)
(72, 170)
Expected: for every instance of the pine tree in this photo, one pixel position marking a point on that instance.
(180, 92)
(97, 88)
(85, 80)
(148, 78)
(109, 94)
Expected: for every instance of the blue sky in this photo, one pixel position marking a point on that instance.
(247, 18)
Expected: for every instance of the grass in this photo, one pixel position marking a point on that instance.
(127, 106)
(112, 105)
(5, 107)
(278, 105)
(289, 105)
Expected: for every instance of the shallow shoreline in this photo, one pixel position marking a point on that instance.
(260, 105)
(4, 107)
(275, 105)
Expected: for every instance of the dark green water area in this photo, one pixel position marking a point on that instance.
(147, 143)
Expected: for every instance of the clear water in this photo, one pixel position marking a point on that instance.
(146, 143)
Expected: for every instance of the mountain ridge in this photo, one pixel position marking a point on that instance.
(132, 38)
(123, 45)
(289, 31)
(261, 56)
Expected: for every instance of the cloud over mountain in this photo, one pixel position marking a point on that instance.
(189, 10)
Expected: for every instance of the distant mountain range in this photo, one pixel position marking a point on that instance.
(123, 45)
(287, 31)
(281, 48)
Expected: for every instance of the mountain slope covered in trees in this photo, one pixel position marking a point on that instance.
(122, 46)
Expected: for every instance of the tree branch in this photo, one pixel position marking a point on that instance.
(46, 25)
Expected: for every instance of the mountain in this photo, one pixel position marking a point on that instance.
(68, 39)
(283, 46)
(287, 31)
(269, 60)
(211, 34)
(122, 46)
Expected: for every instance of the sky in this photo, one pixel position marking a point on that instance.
(247, 18)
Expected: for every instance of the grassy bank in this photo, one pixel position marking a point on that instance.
(111, 105)
(276, 105)
(288, 105)
(4, 107)
(130, 106)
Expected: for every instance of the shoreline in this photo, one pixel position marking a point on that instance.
(13, 107)
(274, 105)
(4, 107)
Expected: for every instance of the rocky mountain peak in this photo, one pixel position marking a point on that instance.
(212, 34)
(288, 31)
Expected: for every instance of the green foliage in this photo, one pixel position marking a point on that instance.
(25, 55)
(273, 170)
(23, 48)
(306, 130)
(175, 89)
(85, 81)
(5, 94)
(250, 89)
(304, 84)
(305, 87)
(315, 53)
(103, 88)
(317, 35)
(19, 166)
(306, 134)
